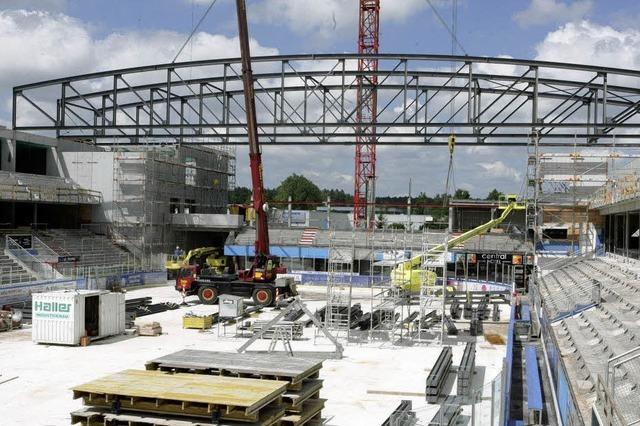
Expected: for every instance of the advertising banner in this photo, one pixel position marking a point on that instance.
(15, 293)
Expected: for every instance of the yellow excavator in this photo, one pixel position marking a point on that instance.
(210, 258)
(410, 275)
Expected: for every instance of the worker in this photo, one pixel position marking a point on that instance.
(178, 252)
(518, 304)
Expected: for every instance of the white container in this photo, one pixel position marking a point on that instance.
(63, 317)
(230, 306)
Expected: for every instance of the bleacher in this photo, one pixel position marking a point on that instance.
(90, 249)
(588, 333)
(11, 272)
(30, 187)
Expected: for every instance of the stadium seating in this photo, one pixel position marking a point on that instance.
(91, 250)
(11, 272)
(27, 187)
(588, 334)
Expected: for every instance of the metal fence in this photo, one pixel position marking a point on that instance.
(565, 399)
(483, 414)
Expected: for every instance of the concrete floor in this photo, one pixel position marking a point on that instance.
(363, 388)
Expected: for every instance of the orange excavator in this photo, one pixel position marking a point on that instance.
(259, 281)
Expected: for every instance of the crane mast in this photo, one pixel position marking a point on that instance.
(255, 156)
(366, 111)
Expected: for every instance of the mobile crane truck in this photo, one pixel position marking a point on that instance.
(259, 281)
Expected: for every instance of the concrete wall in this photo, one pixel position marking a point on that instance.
(93, 170)
(54, 147)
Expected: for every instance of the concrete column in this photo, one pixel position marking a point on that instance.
(626, 234)
(8, 155)
(54, 164)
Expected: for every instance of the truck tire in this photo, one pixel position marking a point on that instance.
(208, 295)
(263, 296)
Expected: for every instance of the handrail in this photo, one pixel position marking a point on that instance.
(28, 260)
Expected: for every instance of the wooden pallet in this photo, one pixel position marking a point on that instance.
(293, 400)
(95, 416)
(311, 412)
(238, 399)
(264, 366)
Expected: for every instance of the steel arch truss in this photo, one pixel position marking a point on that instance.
(311, 100)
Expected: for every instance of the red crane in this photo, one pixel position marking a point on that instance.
(367, 108)
(255, 156)
(259, 281)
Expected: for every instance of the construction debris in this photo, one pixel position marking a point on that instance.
(150, 329)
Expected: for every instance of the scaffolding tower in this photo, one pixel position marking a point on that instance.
(339, 285)
(151, 183)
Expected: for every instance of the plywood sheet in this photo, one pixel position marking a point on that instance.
(250, 394)
(281, 366)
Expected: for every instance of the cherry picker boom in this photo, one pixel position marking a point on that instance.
(410, 274)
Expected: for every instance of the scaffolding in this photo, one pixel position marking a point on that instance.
(150, 183)
(431, 299)
(339, 285)
(393, 315)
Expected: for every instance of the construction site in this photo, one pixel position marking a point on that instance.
(133, 291)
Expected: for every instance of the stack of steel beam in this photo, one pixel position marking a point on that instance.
(438, 375)
(466, 369)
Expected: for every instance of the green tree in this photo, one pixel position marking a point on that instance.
(301, 190)
(494, 195)
(240, 195)
(396, 225)
(381, 221)
(461, 194)
(337, 195)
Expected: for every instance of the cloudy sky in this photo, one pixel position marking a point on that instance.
(42, 39)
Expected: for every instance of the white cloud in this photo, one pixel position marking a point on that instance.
(329, 18)
(59, 45)
(56, 45)
(590, 43)
(498, 169)
(541, 12)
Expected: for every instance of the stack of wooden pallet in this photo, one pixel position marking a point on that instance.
(191, 388)
(301, 400)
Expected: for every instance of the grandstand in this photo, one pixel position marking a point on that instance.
(12, 272)
(87, 251)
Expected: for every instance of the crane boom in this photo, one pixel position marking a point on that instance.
(255, 156)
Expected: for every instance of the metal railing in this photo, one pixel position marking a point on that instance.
(32, 263)
(623, 375)
(624, 188)
(36, 188)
